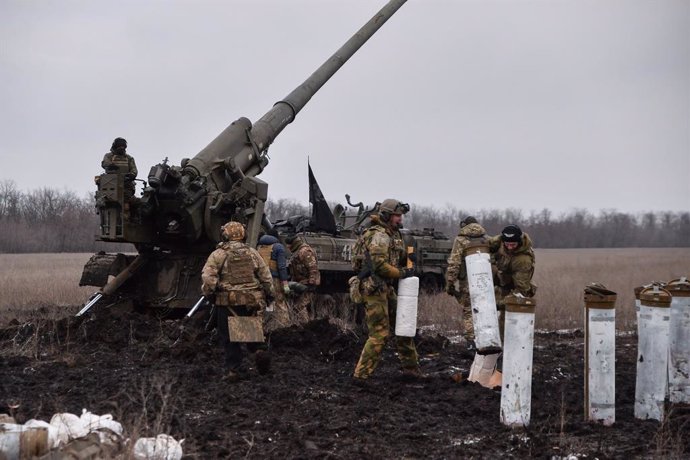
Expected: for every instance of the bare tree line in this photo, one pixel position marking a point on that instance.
(51, 220)
(48, 220)
(574, 229)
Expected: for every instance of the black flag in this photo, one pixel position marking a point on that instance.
(321, 215)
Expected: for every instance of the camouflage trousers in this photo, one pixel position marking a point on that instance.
(280, 316)
(302, 305)
(463, 298)
(380, 316)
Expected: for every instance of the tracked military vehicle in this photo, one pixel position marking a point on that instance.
(176, 222)
(334, 250)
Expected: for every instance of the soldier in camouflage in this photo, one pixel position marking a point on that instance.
(236, 277)
(383, 263)
(456, 274)
(304, 270)
(117, 161)
(514, 257)
(273, 253)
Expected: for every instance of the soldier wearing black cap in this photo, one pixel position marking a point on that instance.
(514, 257)
(117, 161)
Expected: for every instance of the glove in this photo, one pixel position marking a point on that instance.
(210, 298)
(406, 272)
(450, 289)
(286, 289)
(297, 288)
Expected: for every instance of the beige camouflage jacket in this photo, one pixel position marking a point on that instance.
(235, 267)
(516, 268)
(304, 266)
(456, 261)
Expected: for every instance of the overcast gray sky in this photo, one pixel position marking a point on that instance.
(478, 104)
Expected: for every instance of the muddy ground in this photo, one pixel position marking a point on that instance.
(307, 407)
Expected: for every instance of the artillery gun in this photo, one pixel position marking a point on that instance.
(176, 222)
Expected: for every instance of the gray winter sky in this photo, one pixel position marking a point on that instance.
(477, 104)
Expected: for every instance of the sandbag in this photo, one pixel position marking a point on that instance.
(68, 426)
(94, 422)
(162, 447)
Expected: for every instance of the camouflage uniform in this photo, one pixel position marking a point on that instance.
(304, 269)
(514, 268)
(273, 254)
(387, 254)
(457, 272)
(514, 271)
(240, 280)
(114, 163)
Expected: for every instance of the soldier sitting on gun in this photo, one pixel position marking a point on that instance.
(239, 279)
(117, 161)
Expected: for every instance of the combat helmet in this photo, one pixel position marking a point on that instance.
(467, 220)
(119, 142)
(392, 206)
(233, 231)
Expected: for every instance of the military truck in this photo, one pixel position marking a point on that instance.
(176, 222)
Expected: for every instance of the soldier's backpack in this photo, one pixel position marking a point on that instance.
(359, 249)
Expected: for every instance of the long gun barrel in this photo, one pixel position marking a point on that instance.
(243, 145)
(177, 221)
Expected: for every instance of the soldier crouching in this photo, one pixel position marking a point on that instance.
(239, 279)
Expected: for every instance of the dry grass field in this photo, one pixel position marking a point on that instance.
(33, 280)
(561, 275)
(30, 280)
